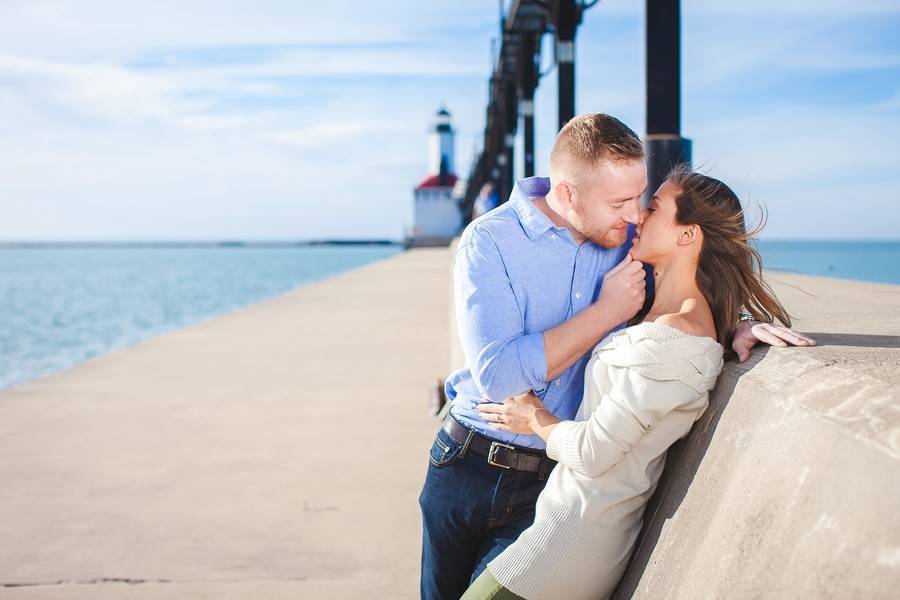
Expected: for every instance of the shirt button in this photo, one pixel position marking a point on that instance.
(557, 382)
(553, 236)
(578, 295)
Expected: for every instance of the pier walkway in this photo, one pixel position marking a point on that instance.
(278, 451)
(274, 452)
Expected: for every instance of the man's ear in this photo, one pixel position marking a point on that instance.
(690, 235)
(565, 194)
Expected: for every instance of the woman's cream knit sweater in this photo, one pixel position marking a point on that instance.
(644, 388)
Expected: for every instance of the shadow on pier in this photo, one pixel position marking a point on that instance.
(856, 340)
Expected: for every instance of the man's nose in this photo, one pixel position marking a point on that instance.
(633, 212)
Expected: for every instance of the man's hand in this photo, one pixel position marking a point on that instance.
(748, 333)
(514, 415)
(621, 297)
(624, 288)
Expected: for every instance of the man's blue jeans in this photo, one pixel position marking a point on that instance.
(471, 511)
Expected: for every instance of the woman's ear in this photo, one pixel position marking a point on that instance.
(689, 235)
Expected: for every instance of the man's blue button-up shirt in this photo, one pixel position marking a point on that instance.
(516, 275)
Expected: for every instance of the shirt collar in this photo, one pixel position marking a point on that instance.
(534, 222)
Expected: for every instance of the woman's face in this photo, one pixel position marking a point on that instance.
(657, 234)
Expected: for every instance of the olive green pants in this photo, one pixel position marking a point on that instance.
(486, 587)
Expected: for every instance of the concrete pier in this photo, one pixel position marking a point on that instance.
(275, 452)
(788, 486)
(278, 452)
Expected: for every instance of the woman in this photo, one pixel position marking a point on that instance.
(644, 388)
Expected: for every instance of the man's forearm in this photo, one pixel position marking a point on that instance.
(566, 343)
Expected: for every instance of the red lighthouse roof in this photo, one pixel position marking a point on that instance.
(434, 181)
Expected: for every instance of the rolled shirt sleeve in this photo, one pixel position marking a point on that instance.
(502, 358)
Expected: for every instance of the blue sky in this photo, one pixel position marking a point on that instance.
(286, 120)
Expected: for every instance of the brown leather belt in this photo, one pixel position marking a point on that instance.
(499, 454)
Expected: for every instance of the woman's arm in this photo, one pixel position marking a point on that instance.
(589, 447)
(748, 333)
(630, 410)
(524, 414)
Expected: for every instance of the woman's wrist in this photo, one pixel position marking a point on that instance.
(532, 418)
(540, 419)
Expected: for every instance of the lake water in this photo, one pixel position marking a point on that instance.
(867, 261)
(62, 305)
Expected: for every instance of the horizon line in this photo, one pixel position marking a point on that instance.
(324, 241)
(190, 242)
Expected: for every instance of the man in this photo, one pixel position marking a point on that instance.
(532, 301)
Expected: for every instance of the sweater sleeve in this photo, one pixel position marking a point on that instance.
(641, 393)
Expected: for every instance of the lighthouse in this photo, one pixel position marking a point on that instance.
(440, 141)
(436, 214)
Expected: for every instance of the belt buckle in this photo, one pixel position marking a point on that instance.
(493, 450)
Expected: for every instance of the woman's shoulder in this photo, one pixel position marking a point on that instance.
(661, 351)
(685, 323)
(661, 331)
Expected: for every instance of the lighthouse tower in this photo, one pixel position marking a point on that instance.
(436, 215)
(440, 142)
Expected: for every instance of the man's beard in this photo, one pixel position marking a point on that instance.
(609, 238)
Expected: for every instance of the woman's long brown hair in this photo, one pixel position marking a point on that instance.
(729, 273)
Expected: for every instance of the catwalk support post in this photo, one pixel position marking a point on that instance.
(566, 25)
(528, 82)
(664, 144)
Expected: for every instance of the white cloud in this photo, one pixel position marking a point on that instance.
(282, 120)
(338, 131)
(94, 90)
(180, 122)
(90, 29)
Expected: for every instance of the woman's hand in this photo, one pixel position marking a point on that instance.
(515, 415)
(748, 333)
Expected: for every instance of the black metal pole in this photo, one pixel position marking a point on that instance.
(566, 25)
(526, 102)
(664, 144)
(528, 135)
(663, 67)
(494, 136)
(511, 113)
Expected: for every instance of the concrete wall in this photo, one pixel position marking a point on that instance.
(788, 486)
